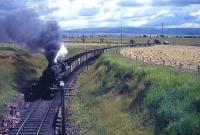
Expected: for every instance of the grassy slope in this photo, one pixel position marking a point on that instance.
(119, 96)
(17, 71)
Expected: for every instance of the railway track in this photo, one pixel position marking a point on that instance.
(38, 119)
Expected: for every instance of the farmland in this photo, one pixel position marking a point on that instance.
(126, 40)
(186, 57)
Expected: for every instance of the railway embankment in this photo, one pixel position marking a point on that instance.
(17, 69)
(120, 96)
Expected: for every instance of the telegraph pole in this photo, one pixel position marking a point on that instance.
(121, 34)
(62, 94)
(162, 25)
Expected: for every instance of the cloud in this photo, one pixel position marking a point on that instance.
(88, 11)
(11, 5)
(128, 3)
(100, 13)
(74, 23)
(135, 3)
(186, 25)
(180, 3)
(173, 17)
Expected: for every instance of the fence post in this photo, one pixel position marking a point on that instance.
(163, 63)
(198, 69)
(87, 59)
(180, 65)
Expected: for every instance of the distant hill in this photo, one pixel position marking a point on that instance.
(130, 31)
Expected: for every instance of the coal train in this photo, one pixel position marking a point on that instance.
(47, 85)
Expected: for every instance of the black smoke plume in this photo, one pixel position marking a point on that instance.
(24, 27)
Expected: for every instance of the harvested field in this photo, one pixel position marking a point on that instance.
(186, 57)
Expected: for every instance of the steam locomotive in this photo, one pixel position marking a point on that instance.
(47, 86)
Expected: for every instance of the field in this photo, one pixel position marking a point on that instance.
(17, 69)
(139, 40)
(76, 45)
(120, 96)
(186, 57)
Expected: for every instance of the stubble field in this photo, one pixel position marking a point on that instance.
(186, 57)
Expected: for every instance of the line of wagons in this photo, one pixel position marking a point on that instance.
(47, 85)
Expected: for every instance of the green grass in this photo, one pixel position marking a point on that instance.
(118, 96)
(17, 71)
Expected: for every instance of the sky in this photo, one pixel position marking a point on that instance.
(76, 14)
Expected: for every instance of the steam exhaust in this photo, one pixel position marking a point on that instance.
(25, 28)
(61, 53)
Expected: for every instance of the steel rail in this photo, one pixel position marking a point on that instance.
(24, 122)
(44, 117)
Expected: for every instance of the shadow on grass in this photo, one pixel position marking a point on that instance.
(103, 90)
(25, 73)
(138, 101)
